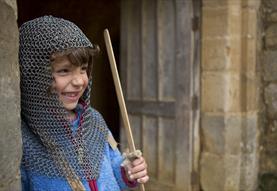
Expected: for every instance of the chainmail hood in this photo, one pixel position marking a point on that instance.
(49, 147)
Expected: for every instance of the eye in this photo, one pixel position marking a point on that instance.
(62, 71)
(84, 68)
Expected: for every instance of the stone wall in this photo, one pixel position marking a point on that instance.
(10, 138)
(268, 160)
(230, 95)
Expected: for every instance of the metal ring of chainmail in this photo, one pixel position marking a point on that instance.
(48, 147)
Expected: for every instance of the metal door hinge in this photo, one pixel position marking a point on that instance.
(194, 103)
(195, 23)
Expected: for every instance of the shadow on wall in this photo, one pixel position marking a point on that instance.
(92, 16)
(268, 182)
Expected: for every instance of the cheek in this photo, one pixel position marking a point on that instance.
(58, 85)
(86, 81)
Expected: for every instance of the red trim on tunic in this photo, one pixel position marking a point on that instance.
(92, 185)
(128, 182)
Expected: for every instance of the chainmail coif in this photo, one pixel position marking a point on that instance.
(49, 147)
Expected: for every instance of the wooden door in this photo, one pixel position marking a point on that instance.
(159, 61)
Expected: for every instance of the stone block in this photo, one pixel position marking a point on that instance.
(272, 128)
(268, 182)
(234, 53)
(232, 171)
(250, 91)
(214, 3)
(270, 65)
(272, 17)
(221, 54)
(214, 23)
(234, 20)
(250, 4)
(213, 133)
(232, 136)
(249, 171)
(214, 54)
(223, 133)
(250, 41)
(268, 157)
(251, 133)
(271, 139)
(213, 91)
(220, 172)
(269, 148)
(271, 36)
(249, 151)
(271, 100)
(212, 175)
(269, 161)
(234, 93)
(271, 4)
(222, 92)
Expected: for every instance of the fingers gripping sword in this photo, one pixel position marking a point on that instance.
(119, 94)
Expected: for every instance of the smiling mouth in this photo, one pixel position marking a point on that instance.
(73, 96)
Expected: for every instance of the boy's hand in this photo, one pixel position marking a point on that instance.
(137, 170)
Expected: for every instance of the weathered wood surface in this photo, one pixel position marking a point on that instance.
(160, 75)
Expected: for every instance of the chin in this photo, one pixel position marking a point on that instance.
(70, 107)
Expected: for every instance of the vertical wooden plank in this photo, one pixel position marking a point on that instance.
(124, 15)
(135, 120)
(167, 150)
(183, 96)
(136, 124)
(166, 50)
(134, 50)
(149, 50)
(149, 137)
(130, 66)
(123, 139)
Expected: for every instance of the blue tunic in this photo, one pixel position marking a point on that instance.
(110, 178)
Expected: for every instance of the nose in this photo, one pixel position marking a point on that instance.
(77, 79)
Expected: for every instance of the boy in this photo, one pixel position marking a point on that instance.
(66, 143)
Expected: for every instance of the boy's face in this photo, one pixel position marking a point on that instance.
(70, 81)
